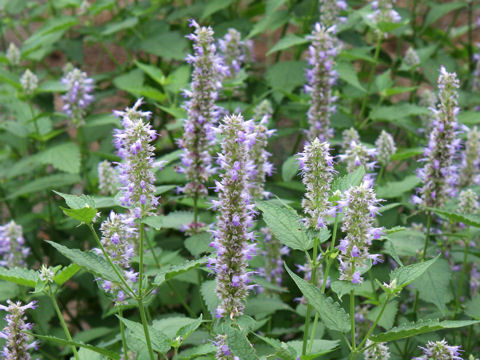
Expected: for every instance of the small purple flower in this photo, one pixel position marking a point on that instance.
(329, 12)
(13, 250)
(316, 166)
(234, 218)
(440, 350)
(357, 155)
(18, 343)
(78, 96)
(439, 173)
(359, 204)
(133, 144)
(223, 351)
(202, 114)
(321, 77)
(234, 50)
(383, 12)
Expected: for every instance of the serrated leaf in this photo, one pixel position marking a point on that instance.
(20, 276)
(64, 157)
(199, 243)
(186, 330)
(209, 295)
(173, 220)
(405, 275)
(289, 168)
(286, 75)
(110, 354)
(84, 215)
(347, 181)
(173, 270)
(388, 317)
(239, 344)
(160, 342)
(65, 274)
(152, 71)
(395, 189)
(420, 327)
(77, 201)
(287, 42)
(197, 351)
(473, 307)
(286, 225)
(332, 314)
(263, 306)
(467, 219)
(153, 221)
(284, 350)
(90, 261)
(342, 288)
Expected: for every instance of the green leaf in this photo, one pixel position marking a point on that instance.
(171, 271)
(407, 153)
(331, 313)
(187, 330)
(289, 168)
(271, 22)
(84, 215)
(473, 307)
(196, 352)
(319, 348)
(171, 325)
(52, 86)
(287, 42)
(434, 285)
(383, 81)
(421, 327)
(90, 261)
(284, 351)
(169, 45)
(342, 288)
(77, 201)
(262, 306)
(388, 317)
(114, 27)
(212, 6)
(63, 157)
(152, 71)
(346, 182)
(210, 296)
(177, 219)
(394, 113)
(467, 219)
(199, 243)
(46, 183)
(286, 75)
(440, 10)
(347, 73)
(154, 221)
(286, 225)
(20, 276)
(239, 344)
(160, 341)
(65, 274)
(405, 275)
(110, 354)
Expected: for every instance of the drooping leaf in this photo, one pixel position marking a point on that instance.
(331, 313)
(467, 219)
(84, 215)
(20, 276)
(289, 168)
(286, 225)
(77, 201)
(65, 274)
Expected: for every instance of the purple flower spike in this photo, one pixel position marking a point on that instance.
(18, 342)
(136, 169)
(223, 351)
(439, 173)
(202, 113)
(321, 77)
(469, 168)
(439, 350)
(13, 250)
(329, 12)
(231, 238)
(376, 351)
(359, 204)
(78, 96)
(235, 51)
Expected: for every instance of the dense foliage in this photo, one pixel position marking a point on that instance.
(227, 179)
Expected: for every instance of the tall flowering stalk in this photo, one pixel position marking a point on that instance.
(29, 82)
(133, 144)
(439, 173)
(383, 12)
(223, 351)
(321, 77)
(234, 51)
(385, 148)
(357, 155)
(439, 350)
(108, 178)
(360, 207)
(330, 11)
(13, 251)
(376, 351)
(348, 136)
(13, 54)
(316, 166)
(202, 113)
(78, 96)
(469, 168)
(18, 343)
(234, 217)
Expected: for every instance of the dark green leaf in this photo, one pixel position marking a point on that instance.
(405, 275)
(160, 341)
(239, 344)
(84, 215)
(20, 276)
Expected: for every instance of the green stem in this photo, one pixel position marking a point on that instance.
(112, 265)
(64, 325)
(380, 174)
(464, 266)
(427, 235)
(140, 294)
(379, 316)
(195, 208)
(83, 157)
(352, 319)
(370, 79)
(122, 332)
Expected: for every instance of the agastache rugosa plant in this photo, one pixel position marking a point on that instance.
(232, 238)
(439, 174)
(360, 206)
(357, 155)
(78, 96)
(321, 77)
(385, 148)
(223, 351)
(330, 12)
(13, 54)
(13, 250)
(439, 350)
(383, 12)
(29, 82)
(234, 50)
(18, 341)
(202, 113)
(133, 144)
(376, 351)
(469, 168)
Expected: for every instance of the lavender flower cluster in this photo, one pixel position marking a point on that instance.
(223, 351)
(439, 350)
(330, 12)
(384, 12)
(107, 178)
(202, 113)
(358, 155)
(18, 343)
(316, 166)
(136, 176)
(385, 148)
(234, 50)
(439, 173)
(321, 77)
(78, 96)
(235, 217)
(13, 251)
(376, 351)
(360, 207)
